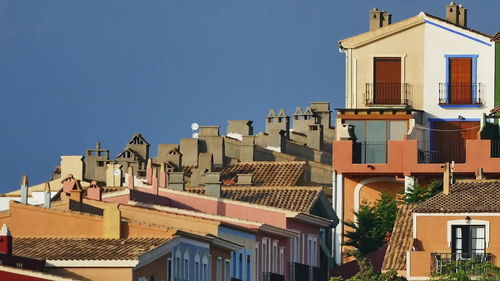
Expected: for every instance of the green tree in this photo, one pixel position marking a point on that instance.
(365, 235)
(372, 223)
(418, 193)
(367, 273)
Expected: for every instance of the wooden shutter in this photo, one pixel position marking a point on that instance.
(387, 80)
(460, 82)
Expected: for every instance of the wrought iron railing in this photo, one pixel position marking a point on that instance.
(472, 263)
(441, 152)
(461, 93)
(387, 94)
(303, 272)
(370, 152)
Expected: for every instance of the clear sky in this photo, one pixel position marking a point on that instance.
(76, 72)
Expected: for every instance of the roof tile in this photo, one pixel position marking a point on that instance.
(266, 173)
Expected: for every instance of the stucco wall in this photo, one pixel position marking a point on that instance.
(440, 42)
(157, 268)
(93, 273)
(407, 44)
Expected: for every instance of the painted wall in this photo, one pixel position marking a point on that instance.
(18, 277)
(407, 44)
(272, 264)
(432, 236)
(93, 273)
(192, 252)
(157, 269)
(440, 42)
(497, 73)
(240, 268)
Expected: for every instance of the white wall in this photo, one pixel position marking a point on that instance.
(440, 42)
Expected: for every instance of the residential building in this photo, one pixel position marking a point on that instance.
(457, 228)
(417, 93)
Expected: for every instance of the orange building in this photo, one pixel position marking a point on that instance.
(457, 228)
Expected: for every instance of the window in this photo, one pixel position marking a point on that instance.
(461, 87)
(282, 261)
(169, 269)
(227, 270)
(386, 88)
(219, 269)
(177, 267)
(274, 257)
(240, 266)
(197, 269)
(204, 272)
(264, 255)
(468, 239)
(248, 267)
(257, 259)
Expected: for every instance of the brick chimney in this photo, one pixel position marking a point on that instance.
(379, 19)
(24, 189)
(5, 240)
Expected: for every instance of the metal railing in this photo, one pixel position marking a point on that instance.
(461, 93)
(370, 152)
(440, 152)
(270, 276)
(387, 94)
(472, 263)
(495, 148)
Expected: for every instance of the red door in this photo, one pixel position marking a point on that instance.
(387, 81)
(460, 86)
(449, 139)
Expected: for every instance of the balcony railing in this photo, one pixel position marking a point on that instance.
(387, 94)
(269, 276)
(461, 93)
(440, 152)
(472, 263)
(370, 152)
(303, 272)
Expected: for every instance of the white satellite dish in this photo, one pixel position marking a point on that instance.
(194, 135)
(195, 126)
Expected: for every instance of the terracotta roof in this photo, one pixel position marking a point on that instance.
(473, 196)
(295, 198)
(265, 173)
(401, 239)
(496, 37)
(84, 248)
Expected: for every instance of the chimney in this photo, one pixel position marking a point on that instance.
(5, 240)
(315, 136)
(206, 162)
(149, 171)
(238, 129)
(68, 183)
(189, 151)
(114, 174)
(323, 112)
(276, 123)
(247, 148)
(163, 176)
(379, 19)
(176, 181)
(24, 189)
(130, 177)
(480, 174)
(446, 178)
(245, 179)
(72, 165)
(212, 184)
(112, 222)
(456, 14)
(94, 191)
(154, 181)
(47, 196)
(212, 142)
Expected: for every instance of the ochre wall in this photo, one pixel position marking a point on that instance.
(432, 238)
(94, 273)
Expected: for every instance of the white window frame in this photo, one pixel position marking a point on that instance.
(264, 256)
(218, 270)
(484, 223)
(274, 257)
(185, 266)
(205, 269)
(197, 268)
(177, 264)
(282, 261)
(227, 270)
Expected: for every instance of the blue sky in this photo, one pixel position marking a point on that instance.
(76, 72)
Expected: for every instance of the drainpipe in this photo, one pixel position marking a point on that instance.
(345, 51)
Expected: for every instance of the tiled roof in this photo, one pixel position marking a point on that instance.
(496, 37)
(401, 239)
(265, 173)
(473, 196)
(84, 248)
(295, 198)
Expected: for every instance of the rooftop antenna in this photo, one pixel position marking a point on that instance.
(194, 128)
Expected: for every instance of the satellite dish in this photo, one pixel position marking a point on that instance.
(195, 126)
(195, 135)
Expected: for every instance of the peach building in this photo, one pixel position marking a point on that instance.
(456, 228)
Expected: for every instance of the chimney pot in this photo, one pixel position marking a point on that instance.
(24, 189)
(245, 179)
(176, 181)
(212, 184)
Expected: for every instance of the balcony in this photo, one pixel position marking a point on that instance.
(269, 276)
(472, 263)
(303, 272)
(439, 152)
(387, 94)
(461, 94)
(370, 152)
